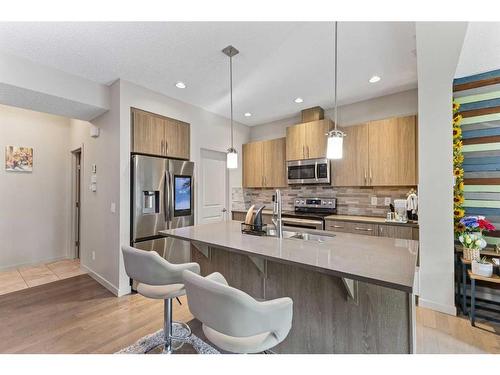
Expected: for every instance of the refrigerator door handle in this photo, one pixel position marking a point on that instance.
(168, 198)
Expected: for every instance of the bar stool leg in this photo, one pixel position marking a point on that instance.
(472, 301)
(167, 326)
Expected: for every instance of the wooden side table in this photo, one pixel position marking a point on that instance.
(473, 277)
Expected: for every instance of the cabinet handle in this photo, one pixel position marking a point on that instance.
(166, 147)
(371, 177)
(365, 178)
(364, 229)
(337, 226)
(161, 147)
(303, 151)
(308, 152)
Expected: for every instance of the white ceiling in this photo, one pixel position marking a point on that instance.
(278, 61)
(481, 49)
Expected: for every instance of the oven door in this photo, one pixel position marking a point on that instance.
(303, 223)
(313, 171)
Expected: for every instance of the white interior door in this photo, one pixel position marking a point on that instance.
(214, 187)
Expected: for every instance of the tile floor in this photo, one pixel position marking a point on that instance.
(30, 276)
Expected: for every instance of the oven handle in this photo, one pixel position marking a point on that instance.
(316, 170)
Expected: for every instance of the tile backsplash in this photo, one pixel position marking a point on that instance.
(350, 200)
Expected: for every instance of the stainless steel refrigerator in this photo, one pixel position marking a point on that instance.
(162, 198)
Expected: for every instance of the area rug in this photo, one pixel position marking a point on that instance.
(154, 340)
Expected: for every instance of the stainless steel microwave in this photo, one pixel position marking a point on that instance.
(311, 171)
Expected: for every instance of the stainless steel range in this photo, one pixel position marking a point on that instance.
(310, 213)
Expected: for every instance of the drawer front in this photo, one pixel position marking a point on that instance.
(364, 228)
(338, 226)
(352, 227)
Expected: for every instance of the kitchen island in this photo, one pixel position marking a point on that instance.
(351, 293)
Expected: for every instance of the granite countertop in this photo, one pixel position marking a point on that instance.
(354, 218)
(383, 261)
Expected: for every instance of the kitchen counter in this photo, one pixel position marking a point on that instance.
(351, 218)
(351, 293)
(382, 261)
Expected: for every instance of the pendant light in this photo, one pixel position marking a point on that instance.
(335, 136)
(232, 154)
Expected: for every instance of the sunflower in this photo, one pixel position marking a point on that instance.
(459, 227)
(461, 186)
(458, 213)
(458, 199)
(456, 119)
(457, 133)
(457, 146)
(458, 172)
(456, 106)
(458, 159)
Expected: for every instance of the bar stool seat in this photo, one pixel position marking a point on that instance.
(161, 291)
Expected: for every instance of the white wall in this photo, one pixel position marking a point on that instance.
(99, 226)
(208, 131)
(399, 104)
(33, 86)
(34, 217)
(438, 49)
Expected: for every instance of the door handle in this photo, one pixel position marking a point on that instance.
(364, 229)
(166, 199)
(224, 210)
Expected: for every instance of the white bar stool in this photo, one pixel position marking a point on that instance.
(233, 320)
(159, 279)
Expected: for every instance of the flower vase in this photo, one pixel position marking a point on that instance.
(471, 254)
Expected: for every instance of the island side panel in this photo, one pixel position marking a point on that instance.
(325, 320)
(238, 269)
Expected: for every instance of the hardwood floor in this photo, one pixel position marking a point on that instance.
(78, 315)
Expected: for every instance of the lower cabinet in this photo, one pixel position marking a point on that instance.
(369, 229)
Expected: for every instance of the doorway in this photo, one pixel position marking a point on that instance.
(214, 187)
(76, 200)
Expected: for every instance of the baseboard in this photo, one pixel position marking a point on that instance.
(446, 309)
(27, 264)
(101, 280)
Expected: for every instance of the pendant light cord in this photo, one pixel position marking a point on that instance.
(335, 86)
(231, 93)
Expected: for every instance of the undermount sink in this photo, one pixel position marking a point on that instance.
(306, 236)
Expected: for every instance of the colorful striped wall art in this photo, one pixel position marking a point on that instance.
(479, 99)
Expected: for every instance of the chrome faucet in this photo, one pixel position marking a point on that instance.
(277, 213)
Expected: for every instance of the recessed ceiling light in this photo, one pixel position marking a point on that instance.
(374, 79)
(298, 100)
(180, 85)
(247, 114)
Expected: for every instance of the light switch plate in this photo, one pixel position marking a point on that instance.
(387, 201)
(113, 207)
(93, 179)
(374, 201)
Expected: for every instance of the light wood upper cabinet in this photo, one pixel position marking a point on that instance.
(147, 134)
(316, 138)
(252, 164)
(378, 153)
(353, 168)
(393, 154)
(158, 135)
(307, 140)
(264, 163)
(274, 165)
